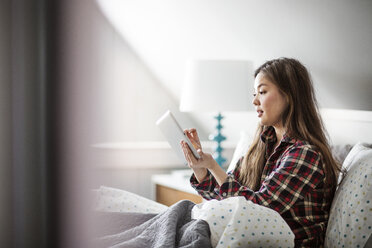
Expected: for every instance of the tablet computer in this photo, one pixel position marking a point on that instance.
(174, 134)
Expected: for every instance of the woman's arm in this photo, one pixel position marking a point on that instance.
(200, 174)
(204, 163)
(207, 173)
(218, 173)
(209, 188)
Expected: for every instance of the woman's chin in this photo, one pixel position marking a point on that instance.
(263, 122)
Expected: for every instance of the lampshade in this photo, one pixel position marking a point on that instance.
(217, 85)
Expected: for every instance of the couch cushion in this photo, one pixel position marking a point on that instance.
(350, 218)
(340, 152)
(241, 149)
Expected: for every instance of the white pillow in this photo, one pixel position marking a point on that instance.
(236, 222)
(350, 221)
(116, 200)
(241, 149)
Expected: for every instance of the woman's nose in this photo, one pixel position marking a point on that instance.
(255, 101)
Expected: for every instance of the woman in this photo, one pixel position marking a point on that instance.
(289, 166)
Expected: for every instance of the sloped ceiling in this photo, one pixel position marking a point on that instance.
(332, 38)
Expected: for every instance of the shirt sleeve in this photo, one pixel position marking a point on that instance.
(296, 174)
(209, 188)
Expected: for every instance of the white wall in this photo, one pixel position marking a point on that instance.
(332, 39)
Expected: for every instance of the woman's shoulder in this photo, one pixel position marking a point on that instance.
(303, 150)
(302, 145)
(296, 144)
(303, 158)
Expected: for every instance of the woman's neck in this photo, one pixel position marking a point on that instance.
(279, 131)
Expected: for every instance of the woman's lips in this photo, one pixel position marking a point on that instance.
(259, 112)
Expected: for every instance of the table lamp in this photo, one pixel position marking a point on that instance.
(217, 86)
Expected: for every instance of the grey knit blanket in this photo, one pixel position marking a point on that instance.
(172, 228)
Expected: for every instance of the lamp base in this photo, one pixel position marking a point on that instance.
(218, 138)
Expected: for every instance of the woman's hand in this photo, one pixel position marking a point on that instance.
(205, 161)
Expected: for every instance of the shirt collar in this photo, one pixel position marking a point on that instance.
(268, 135)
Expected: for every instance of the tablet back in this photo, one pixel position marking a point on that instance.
(174, 134)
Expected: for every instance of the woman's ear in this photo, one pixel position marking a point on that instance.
(287, 99)
(286, 96)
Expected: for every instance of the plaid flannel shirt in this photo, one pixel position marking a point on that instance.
(292, 183)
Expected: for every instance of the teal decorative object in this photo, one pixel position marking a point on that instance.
(218, 137)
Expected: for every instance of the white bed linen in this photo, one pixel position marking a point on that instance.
(236, 222)
(117, 200)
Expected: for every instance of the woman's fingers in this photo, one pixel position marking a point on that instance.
(205, 161)
(188, 154)
(192, 130)
(189, 133)
(193, 136)
(200, 152)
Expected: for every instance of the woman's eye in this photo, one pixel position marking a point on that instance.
(254, 94)
(262, 92)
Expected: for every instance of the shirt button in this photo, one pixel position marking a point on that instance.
(224, 194)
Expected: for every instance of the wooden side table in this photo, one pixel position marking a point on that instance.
(173, 187)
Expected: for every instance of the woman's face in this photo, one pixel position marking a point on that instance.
(269, 102)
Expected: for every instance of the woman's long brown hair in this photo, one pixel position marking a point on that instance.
(301, 120)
